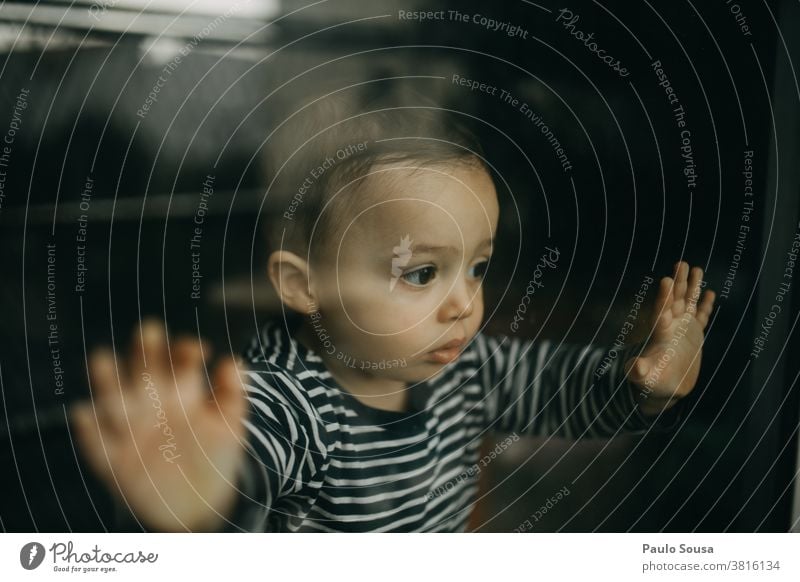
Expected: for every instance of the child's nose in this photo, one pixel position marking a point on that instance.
(459, 303)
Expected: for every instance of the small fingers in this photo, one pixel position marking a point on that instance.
(188, 354)
(681, 271)
(663, 304)
(705, 308)
(679, 290)
(188, 358)
(695, 278)
(663, 323)
(149, 347)
(103, 375)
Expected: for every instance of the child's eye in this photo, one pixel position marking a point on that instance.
(420, 277)
(478, 270)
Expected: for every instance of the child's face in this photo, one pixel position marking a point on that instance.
(404, 277)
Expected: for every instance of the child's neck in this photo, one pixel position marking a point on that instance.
(373, 391)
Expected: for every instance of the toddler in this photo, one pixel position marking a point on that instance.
(364, 406)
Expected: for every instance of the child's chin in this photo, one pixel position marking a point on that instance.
(438, 366)
(422, 372)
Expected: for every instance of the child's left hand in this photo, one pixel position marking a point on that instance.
(668, 366)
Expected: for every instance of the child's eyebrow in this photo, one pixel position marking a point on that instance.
(426, 249)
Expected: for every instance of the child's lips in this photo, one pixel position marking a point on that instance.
(448, 352)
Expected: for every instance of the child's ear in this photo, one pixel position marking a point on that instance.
(289, 276)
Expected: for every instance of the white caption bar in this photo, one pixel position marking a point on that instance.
(400, 557)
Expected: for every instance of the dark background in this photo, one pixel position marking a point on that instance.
(622, 213)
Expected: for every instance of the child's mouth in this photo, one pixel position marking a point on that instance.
(447, 353)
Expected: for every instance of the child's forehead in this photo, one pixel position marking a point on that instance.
(406, 186)
(452, 205)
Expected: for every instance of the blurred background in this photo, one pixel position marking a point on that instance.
(116, 115)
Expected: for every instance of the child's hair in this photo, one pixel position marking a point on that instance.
(322, 153)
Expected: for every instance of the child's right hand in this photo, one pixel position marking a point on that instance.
(155, 436)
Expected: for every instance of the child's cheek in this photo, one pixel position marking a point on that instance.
(406, 322)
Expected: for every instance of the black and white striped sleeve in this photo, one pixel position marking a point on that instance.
(286, 448)
(545, 388)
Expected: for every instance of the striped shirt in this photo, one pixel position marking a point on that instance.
(321, 460)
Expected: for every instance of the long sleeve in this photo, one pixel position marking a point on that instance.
(543, 388)
(285, 448)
